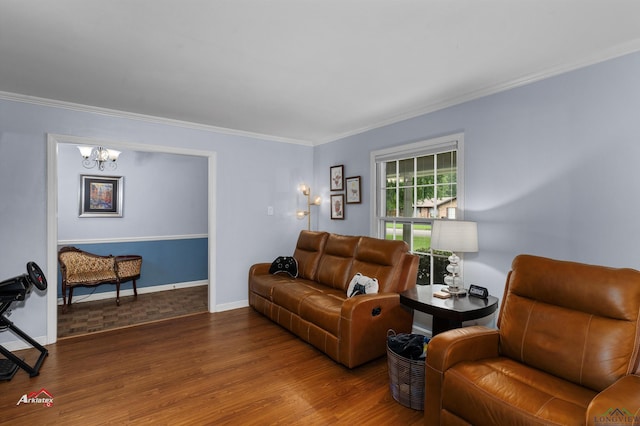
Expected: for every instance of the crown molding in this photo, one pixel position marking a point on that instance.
(146, 118)
(436, 105)
(595, 58)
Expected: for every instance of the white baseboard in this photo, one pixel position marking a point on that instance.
(129, 291)
(421, 330)
(18, 345)
(232, 305)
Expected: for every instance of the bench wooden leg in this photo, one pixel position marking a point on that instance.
(64, 294)
(118, 293)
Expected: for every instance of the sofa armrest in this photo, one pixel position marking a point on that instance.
(128, 267)
(259, 269)
(364, 322)
(449, 348)
(462, 344)
(623, 395)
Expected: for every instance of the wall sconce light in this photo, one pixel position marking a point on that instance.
(99, 156)
(300, 214)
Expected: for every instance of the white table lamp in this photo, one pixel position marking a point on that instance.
(454, 236)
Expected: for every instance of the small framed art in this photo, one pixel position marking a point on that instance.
(337, 178)
(337, 206)
(101, 196)
(353, 190)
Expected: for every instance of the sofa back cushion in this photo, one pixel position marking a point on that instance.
(575, 321)
(335, 263)
(308, 250)
(380, 259)
(80, 267)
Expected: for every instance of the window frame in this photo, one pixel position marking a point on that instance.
(412, 150)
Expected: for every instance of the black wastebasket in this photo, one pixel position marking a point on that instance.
(406, 379)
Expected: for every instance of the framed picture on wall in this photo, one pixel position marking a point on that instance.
(337, 206)
(101, 196)
(353, 189)
(337, 178)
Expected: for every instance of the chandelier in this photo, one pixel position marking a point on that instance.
(99, 157)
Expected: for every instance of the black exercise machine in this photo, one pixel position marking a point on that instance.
(13, 290)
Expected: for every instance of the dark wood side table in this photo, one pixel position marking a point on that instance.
(447, 313)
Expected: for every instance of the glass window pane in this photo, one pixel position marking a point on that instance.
(421, 237)
(398, 231)
(424, 203)
(446, 168)
(406, 172)
(390, 231)
(424, 270)
(390, 174)
(405, 202)
(446, 200)
(391, 202)
(425, 170)
(439, 269)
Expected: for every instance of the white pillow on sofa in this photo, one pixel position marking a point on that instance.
(361, 284)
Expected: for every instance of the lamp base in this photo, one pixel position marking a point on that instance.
(459, 291)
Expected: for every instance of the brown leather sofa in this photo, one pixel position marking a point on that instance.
(315, 307)
(566, 352)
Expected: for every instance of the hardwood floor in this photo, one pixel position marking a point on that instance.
(101, 315)
(233, 367)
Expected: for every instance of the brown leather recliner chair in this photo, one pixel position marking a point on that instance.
(566, 352)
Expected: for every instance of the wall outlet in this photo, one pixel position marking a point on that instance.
(270, 211)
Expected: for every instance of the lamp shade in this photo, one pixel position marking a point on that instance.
(85, 151)
(113, 155)
(455, 236)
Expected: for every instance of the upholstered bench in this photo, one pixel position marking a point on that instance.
(81, 268)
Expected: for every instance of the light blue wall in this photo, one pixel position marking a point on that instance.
(163, 262)
(551, 169)
(252, 174)
(164, 195)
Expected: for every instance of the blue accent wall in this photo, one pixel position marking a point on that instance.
(163, 262)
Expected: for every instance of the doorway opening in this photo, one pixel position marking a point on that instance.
(54, 144)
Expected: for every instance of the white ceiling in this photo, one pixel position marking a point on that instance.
(307, 71)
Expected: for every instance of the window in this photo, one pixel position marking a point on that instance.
(415, 184)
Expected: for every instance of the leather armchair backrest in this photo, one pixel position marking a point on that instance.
(576, 321)
(381, 259)
(408, 272)
(335, 263)
(308, 250)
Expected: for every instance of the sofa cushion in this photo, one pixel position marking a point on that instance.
(508, 392)
(378, 259)
(264, 284)
(547, 321)
(308, 251)
(323, 310)
(334, 269)
(290, 294)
